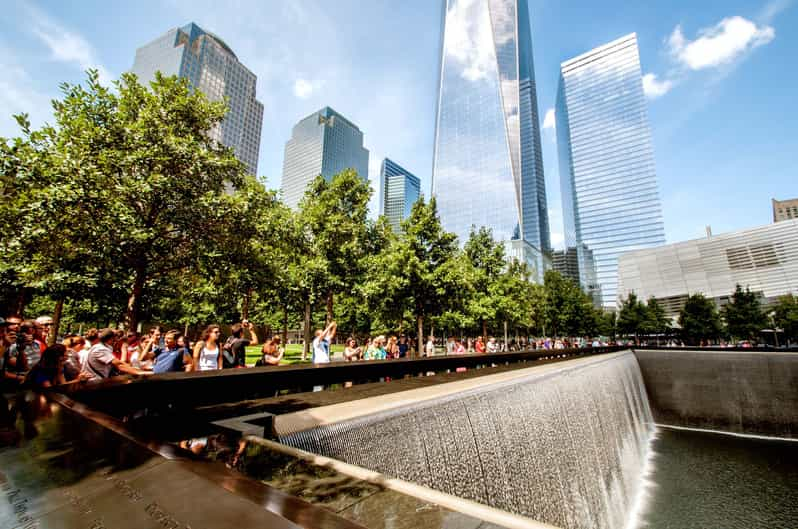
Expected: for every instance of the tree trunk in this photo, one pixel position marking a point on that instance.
(306, 346)
(133, 302)
(420, 322)
(285, 327)
(245, 305)
(19, 305)
(329, 307)
(59, 309)
(484, 331)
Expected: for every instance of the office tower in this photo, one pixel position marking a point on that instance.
(764, 259)
(611, 203)
(566, 262)
(400, 190)
(213, 68)
(784, 209)
(487, 167)
(324, 143)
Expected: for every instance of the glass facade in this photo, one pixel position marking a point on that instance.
(764, 259)
(488, 169)
(324, 143)
(400, 190)
(213, 68)
(611, 202)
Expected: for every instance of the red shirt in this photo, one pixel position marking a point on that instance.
(480, 347)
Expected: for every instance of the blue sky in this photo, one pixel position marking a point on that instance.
(722, 107)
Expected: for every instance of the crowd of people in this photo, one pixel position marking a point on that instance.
(29, 357)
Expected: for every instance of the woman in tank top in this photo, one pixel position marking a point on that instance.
(207, 352)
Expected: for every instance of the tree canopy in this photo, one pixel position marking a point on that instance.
(699, 320)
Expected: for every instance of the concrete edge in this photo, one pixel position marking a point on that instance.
(448, 501)
(291, 423)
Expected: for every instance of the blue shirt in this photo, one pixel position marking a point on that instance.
(168, 360)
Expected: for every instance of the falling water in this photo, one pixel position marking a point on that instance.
(565, 447)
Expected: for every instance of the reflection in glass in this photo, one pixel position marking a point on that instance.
(611, 203)
(488, 170)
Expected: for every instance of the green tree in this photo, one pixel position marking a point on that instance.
(607, 323)
(743, 315)
(785, 314)
(487, 261)
(633, 317)
(131, 183)
(419, 272)
(516, 298)
(699, 319)
(565, 306)
(657, 322)
(335, 213)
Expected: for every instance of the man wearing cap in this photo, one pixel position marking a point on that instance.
(43, 326)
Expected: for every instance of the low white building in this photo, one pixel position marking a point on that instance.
(764, 259)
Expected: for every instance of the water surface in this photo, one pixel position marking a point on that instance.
(708, 480)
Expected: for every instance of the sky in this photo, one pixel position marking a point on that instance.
(720, 77)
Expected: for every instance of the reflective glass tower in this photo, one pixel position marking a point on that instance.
(400, 190)
(212, 67)
(488, 169)
(611, 203)
(324, 143)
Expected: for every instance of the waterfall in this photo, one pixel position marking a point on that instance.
(565, 447)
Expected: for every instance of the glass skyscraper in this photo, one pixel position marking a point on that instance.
(213, 68)
(400, 190)
(488, 168)
(611, 203)
(324, 143)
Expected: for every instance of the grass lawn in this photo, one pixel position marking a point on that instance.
(293, 354)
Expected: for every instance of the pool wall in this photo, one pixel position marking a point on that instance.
(751, 393)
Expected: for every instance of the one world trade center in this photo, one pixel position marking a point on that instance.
(487, 166)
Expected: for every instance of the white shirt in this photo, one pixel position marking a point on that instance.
(209, 359)
(321, 354)
(430, 348)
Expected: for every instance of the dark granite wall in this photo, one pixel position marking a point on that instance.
(753, 393)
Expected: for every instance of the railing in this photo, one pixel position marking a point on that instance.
(175, 391)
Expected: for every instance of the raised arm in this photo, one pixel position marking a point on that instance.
(329, 332)
(253, 337)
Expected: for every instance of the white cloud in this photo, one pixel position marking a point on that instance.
(549, 122)
(469, 39)
(67, 46)
(557, 239)
(19, 94)
(654, 88)
(772, 9)
(304, 89)
(719, 45)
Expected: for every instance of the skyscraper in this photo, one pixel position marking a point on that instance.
(400, 190)
(324, 143)
(488, 168)
(611, 203)
(213, 68)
